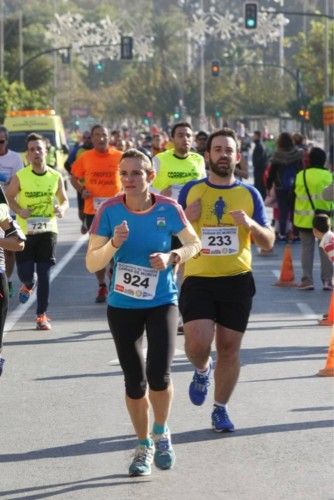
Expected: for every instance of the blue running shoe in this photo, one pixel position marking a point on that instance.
(198, 388)
(220, 420)
(141, 463)
(2, 362)
(164, 456)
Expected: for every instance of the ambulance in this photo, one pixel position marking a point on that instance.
(45, 122)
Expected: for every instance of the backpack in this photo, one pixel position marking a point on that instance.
(286, 176)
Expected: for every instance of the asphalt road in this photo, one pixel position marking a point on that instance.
(65, 432)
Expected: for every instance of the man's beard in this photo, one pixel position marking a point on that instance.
(221, 171)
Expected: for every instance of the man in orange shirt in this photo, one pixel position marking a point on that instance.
(95, 175)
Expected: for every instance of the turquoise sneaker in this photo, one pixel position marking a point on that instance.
(164, 456)
(142, 460)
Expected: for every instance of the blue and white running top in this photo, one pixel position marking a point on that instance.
(135, 284)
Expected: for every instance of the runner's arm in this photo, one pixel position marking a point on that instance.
(263, 236)
(191, 244)
(62, 198)
(12, 191)
(99, 253)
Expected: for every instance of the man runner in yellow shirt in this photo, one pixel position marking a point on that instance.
(216, 295)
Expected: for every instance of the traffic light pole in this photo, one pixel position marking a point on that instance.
(68, 48)
(296, 76)
(296, 13)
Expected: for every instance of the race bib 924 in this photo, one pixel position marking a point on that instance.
(138, 282)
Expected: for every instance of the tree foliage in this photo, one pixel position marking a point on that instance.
(310, 60)
(16, 96)
(130, 89)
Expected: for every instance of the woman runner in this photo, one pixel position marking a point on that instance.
(135, 228)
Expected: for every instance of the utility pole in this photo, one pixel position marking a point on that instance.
(21, 45)
(202, 117)
(327, 128)
(281, 44)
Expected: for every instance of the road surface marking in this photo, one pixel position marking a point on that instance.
(15, 315)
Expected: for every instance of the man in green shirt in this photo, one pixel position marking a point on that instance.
(179, 165)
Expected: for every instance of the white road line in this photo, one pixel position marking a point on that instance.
(306, 310)
(14, 316)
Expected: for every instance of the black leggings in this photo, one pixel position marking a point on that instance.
(127, 328)
(3, 304)
(25, 271)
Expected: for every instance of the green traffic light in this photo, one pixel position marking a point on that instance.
(250, 15)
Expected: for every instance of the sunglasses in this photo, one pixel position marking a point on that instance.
(2, 141)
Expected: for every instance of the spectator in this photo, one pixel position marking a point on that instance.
(285, 164)
(300, 141)
(309, 186)
(200, 140)
(259, 160)
(322, 231)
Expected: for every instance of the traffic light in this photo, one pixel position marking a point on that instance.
(126, 47)
(99, 67)
(215, 68)
(302, 113)
(177, 113)
(218, 114)
(307, 115)
(250, 15)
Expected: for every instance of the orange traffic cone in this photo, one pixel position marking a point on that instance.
(287, 276)
(328, 319)
(328, 371)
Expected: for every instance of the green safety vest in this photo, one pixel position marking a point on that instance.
(316, 179)
(38, 194)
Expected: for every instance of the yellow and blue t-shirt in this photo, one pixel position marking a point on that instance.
(226, 248)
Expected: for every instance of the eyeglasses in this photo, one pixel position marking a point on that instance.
(2, 141)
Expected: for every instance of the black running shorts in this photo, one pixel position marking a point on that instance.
(225, 300)
(39, 248)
